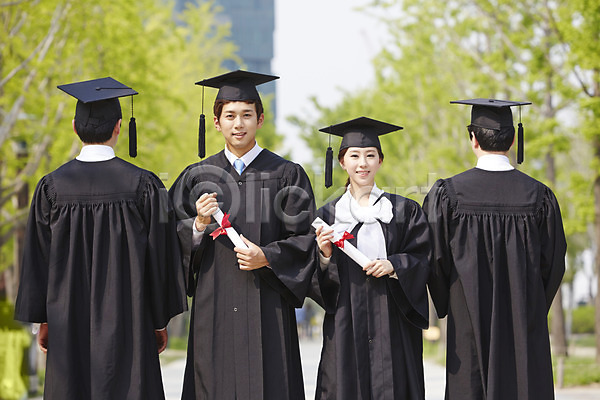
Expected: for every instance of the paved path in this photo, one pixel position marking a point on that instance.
(434, 378)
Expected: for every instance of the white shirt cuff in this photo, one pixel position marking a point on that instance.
(196, 235)
(324, 261)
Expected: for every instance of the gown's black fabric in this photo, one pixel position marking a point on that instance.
(499, 249)
(102, 267)
(372, 338)
(243, 342)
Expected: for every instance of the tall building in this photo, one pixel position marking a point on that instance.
(252, 25)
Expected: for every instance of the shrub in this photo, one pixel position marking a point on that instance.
(583, 319)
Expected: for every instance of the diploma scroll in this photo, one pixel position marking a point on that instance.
(347, 247)
(229, 230)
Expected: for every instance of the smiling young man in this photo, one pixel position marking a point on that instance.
(243, 341)
(238, 123)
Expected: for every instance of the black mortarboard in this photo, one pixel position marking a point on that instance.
(233, 86)
(98, 104)
(496, 114)
(359, 132)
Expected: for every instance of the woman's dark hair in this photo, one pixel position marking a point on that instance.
(220, 103)
(493, 139)
(343, 152)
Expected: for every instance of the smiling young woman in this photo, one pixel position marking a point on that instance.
(372, 331)
(360, 176)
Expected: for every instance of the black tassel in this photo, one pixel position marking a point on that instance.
(520, 150)
(132, 138)
(329, 167)
(201, 139)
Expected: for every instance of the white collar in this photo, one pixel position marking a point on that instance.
(246, 158)
(494, 162)
(95, 153)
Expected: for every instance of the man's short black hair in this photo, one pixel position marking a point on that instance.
(493, 139)
(92, 134)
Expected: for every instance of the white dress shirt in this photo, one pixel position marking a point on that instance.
(95, 153)
(246, 158)
(494, 162)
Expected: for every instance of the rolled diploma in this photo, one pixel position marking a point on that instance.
(231, 233)
(349, 248)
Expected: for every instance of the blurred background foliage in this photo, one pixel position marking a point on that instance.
(144, 44)
(546, 52)
(543, 51)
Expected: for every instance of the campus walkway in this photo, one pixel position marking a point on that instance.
(310, 349)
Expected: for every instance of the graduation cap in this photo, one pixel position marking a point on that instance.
(98, 104)
(359, 132)
(233, 86)
(496, 114)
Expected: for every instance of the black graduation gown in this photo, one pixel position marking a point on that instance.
(372, 331)
(499, 249)
(102, 267)
(243, 341)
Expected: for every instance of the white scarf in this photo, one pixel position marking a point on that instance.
(370, 239)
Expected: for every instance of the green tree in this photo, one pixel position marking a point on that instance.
(577, 23)
(472, 48)
(144, 44)
(410, 88)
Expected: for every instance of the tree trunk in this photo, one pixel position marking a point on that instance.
(20, 201)
(559, 337)
(597, 260)
(597, 249)
(596, 144)
(558, 328)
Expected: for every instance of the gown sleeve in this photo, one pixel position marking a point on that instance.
(31, 298)
(291, 259)
(553, 246)
(437, 208)
(325, 283)
(180, 195)
(411, 263)
(164, 272)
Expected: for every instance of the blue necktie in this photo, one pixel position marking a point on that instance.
(239, 166)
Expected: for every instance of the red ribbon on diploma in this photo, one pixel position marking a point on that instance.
(221, 230)
(345, 236)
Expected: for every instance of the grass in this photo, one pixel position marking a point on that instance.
(583, 340)
(178, 343)
(175, 350)
(580, 368)
(578, 371)
(168, 356)
(434, 351)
